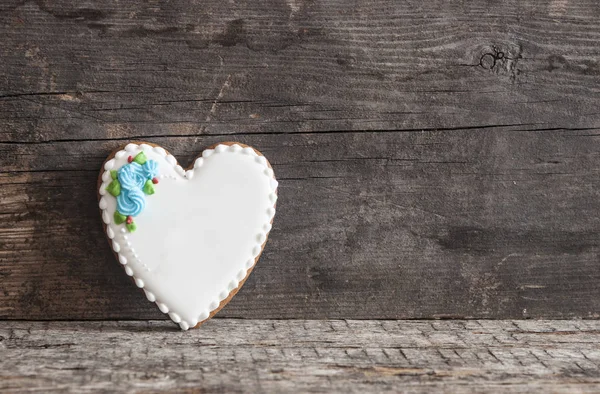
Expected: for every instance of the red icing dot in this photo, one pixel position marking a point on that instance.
(129, 159)
(155, 180)
(129, 220)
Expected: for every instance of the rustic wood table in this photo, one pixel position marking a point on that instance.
(437, 225)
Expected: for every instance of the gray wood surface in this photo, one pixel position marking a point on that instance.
(228, 355)
(436, 159)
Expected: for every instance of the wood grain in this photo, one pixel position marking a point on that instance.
(394, 225)
(309, 356)
(436, 160)
(109, 70)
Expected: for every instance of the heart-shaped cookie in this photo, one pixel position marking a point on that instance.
(188, 238)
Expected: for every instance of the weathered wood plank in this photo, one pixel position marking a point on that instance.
(111, 70)
(468, 223)
(302, 356)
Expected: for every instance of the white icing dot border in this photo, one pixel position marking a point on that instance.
(261, 238)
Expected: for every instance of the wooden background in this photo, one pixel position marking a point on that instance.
(436, 158)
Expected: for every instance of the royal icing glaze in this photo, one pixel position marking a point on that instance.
(196, 239)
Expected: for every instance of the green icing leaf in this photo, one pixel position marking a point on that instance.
(114, 188)
(140, 158)
(131, 227)
(119, 218)
(113, 174)
(149, 187)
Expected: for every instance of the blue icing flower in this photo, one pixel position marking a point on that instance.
(131, 202)
(150, 168)
(132, 177)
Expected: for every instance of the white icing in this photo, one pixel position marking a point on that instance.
(149, 296)
(261, 160)
(171, 160)
(241, 275)
(249, 151)
(200, 232)
(160, 151)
